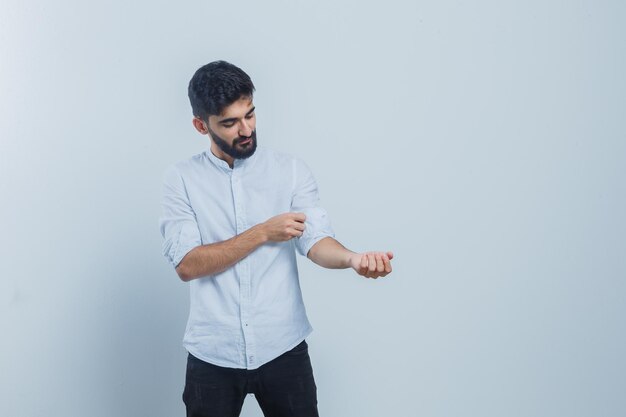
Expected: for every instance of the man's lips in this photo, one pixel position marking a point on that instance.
(245, 141)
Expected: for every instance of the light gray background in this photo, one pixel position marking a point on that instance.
(483, 142)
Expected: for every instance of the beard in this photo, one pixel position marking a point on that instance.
(236, 151)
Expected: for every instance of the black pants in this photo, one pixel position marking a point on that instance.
(283, 387)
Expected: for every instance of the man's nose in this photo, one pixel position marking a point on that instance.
(245, 129)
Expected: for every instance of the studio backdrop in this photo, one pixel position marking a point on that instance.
(484, 143)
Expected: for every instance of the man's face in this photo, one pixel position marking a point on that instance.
(234, 131)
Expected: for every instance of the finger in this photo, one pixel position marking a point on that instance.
(300, 217)
(387, 264)
(363, 261)
(380, 266)
(376, 274)
(298, 226)
(371, 262)
(294, 232)
(390, 255)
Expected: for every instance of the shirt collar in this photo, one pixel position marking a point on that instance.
(237, 163)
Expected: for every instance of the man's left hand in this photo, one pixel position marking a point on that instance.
(372, 264)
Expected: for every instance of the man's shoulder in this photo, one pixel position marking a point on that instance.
(281, 158)
(182, 166)
(192, 160)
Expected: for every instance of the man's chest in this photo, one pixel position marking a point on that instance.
(232, 205)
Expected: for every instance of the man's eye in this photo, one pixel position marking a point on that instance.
(250, 116)
(228, 124)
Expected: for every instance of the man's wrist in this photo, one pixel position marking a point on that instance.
(348, 258)
(259, 234)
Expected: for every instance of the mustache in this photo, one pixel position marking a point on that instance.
(243, 138)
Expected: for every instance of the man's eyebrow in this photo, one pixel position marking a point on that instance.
(234, 119)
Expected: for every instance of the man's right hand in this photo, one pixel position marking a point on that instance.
(284, 226)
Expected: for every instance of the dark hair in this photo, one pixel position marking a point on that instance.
(216, 86)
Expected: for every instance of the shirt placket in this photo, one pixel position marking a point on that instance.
(243, 271)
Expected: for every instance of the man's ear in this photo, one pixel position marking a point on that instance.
(200, 125)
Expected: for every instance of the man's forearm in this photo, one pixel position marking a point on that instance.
(329, 253)
(216, 257)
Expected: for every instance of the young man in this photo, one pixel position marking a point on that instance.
(233, 217)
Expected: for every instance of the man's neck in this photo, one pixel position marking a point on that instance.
(221, 155)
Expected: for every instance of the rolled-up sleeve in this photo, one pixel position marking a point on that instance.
(177, 223)
(306, 200)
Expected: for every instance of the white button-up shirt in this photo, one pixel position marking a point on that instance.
(253, 311)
